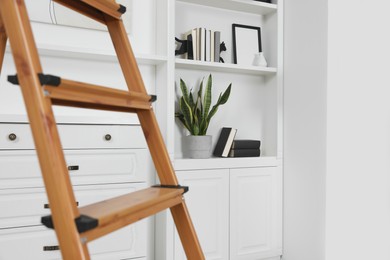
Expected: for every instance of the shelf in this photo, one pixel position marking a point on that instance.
(224, 163)
(248, 6)
(224, 67)
(90, 54)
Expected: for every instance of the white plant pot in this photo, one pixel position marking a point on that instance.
(197, 147)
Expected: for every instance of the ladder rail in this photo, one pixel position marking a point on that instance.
(154, 138)
(46, 137)
(3, 42)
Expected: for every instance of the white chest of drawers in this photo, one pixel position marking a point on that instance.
(104, 161)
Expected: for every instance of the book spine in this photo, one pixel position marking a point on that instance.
(212, 48)
(244, 153)
(198, 33)
(246, 144)
(208, 45)
(190, 53)
(202, 44)
(217, 42)
(194, 44)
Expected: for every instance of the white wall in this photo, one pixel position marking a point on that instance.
(358, 183)
(305, 129)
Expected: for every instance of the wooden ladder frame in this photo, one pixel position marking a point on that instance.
(15, 25)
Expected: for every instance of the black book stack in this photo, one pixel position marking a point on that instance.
(245, 148)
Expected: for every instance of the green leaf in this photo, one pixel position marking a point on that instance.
(187, 114)
(191, 101)
(184, 90)
(225, 95)
(207, 97)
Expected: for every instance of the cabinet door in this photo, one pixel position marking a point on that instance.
(255, 213)
(208, 204)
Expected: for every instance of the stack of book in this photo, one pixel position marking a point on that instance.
(203, 45)
(245, 148)
(227, 146)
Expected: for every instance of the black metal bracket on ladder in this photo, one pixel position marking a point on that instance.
(83, 223)
(43, 79)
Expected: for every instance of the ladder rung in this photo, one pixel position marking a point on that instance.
(121, 211)
(109, 7)
(77, 94)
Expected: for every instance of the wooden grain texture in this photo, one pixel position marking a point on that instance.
(46, 138)
(83, 8)
(3, 42)
(154, 138)
(109, 7)
(73, 93)
(124, 210)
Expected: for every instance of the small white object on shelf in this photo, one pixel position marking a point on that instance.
(259, 60)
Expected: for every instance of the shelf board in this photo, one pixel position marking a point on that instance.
(248, 6)
(224, 163)
(224, 67)
(90, 54)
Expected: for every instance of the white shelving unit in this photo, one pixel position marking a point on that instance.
(255, 108)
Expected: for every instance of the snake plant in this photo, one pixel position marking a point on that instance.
(194, 112)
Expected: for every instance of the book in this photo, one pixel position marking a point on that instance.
(202, 44)
(244, 153)
(217, 42)
(194, 44)
(190, 53)
(212, 48)
(208, 45)
(198, 40)
(246, 144)
(224, 142)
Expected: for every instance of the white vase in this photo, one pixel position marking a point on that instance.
(259, 60)
(197, 147)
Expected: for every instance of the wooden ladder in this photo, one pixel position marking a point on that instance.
(74, 226)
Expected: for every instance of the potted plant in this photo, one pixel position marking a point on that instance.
(195, 114)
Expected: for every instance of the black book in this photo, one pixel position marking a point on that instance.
(224, 142)
(246, 144)
(244, 153)
(190, 52)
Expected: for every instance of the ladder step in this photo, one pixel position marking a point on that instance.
(77, 94)
(112, 214)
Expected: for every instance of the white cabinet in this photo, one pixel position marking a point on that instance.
(236, 212)
(208, 202)
(255, 213)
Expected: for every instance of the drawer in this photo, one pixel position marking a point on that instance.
(20, 169)
(24, 207)
(30, 242)
(18, 136)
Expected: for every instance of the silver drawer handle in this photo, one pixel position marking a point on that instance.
(12, 137)
(51, 248)
(107, 137)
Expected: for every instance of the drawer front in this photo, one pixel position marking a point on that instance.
(41, 243)
(18, 136)
(24, 207)
(20, 169)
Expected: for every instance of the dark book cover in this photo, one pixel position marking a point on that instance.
(244, 153)
(246, 144)
(224, 142)
(190, 52)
